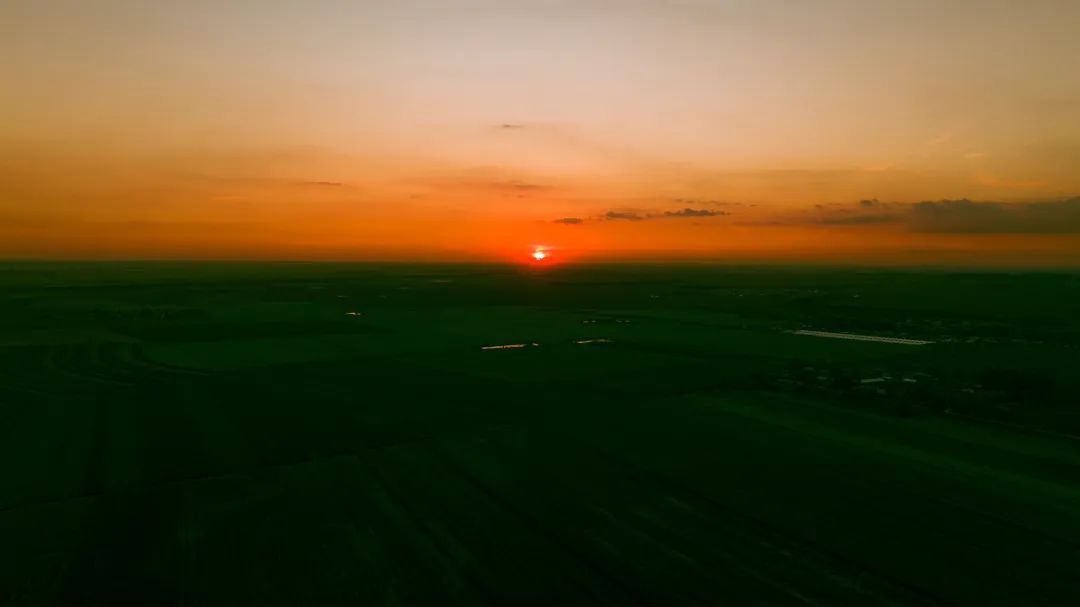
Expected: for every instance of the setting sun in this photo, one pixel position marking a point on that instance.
(539, 255)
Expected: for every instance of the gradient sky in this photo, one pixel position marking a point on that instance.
(837, 130)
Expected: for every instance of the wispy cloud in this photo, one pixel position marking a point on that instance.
(695, 202)
(623, 216)
(487, 180)
(966, 216)
(941, 139)
(323, 184)
(858, 219)
(1010, 184)
(635, 215)
(960, 216)
(688, 212)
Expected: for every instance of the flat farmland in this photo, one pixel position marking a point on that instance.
(281, 434)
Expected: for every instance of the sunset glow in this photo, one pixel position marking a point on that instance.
(434, 130)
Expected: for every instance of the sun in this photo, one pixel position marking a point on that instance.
(539, 255)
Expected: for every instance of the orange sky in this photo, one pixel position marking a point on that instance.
(868, 132)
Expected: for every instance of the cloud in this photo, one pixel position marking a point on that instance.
(961, 216)
(527, 187)
(941, 139)
(570, 221)
(688, 212)
(327, 184)
(617, 215)
(1011, 184)
(966, 216)
(504, 186)
(481, 180)
(715, 203)
(859, 219)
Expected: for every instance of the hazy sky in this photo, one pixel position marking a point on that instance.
(467, 129)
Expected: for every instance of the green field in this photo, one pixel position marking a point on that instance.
(337, 434)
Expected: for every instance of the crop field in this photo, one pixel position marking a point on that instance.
(350, 434)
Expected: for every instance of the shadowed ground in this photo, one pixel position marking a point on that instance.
(287, 434)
